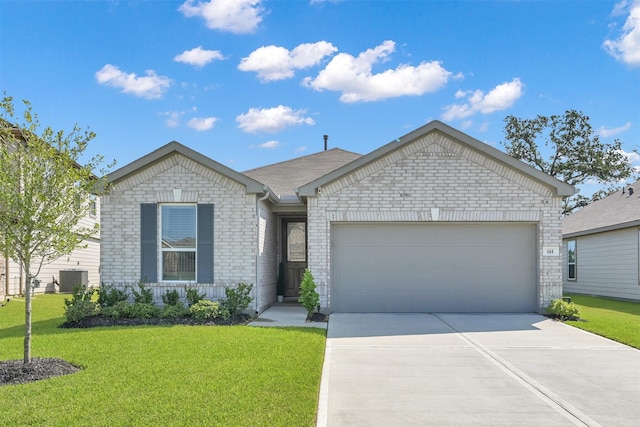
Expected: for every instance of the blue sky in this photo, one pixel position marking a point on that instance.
(251, 82)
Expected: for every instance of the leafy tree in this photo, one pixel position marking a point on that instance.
(44, 194)
(577, 154)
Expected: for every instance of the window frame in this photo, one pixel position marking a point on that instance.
(162, 250)
(573, 263)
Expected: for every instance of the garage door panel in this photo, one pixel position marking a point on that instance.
(453, 267)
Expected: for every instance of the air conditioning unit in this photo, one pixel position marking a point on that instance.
(71, 278)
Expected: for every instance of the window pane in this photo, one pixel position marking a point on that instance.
(571, 251)
(178, 265)
(179, 227)
(296, 242)
(572, 271)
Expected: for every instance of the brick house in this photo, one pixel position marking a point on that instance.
(435, 221)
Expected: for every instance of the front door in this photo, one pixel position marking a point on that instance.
(294, 256)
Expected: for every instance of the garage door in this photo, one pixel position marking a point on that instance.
(454, 267)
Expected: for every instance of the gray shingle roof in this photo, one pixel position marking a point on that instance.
(615, 211)
(285, 177)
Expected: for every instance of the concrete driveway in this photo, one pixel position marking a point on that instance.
(474, 370)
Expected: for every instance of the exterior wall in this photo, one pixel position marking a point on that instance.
(606, 264)
(179, 179)
(80, 259)
(267, 259)
(436, 179)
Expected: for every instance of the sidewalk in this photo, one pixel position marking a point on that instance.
(286, 314)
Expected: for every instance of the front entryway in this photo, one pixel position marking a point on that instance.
(294, 254)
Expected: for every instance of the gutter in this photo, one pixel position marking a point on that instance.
(258, 200)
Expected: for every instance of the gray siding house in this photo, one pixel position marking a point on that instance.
(435, 221)
(602, 246)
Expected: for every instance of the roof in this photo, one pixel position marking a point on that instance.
(285, 177)
(616, 211)
(560, 188)
(174, 147)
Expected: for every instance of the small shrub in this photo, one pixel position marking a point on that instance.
(142, 295)
(80, 305)
(193, 296)
(174, 311)
(309, 298)
(238, 299)
(563, 310)
(207, 310)
(171, 297)
(108, 295)
(142, 311)
(116, 311)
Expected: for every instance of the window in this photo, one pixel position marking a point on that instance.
(571, 259)
(296, 242)
(93, 207)
(178, 231)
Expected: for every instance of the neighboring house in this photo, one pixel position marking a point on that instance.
(601, 246)
(435, 221)
(85, 259)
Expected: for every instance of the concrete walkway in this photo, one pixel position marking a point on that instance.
(286, 314)
(474, 370)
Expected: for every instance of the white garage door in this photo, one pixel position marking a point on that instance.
(453, 267)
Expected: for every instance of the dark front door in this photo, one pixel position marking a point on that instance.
(294, 256)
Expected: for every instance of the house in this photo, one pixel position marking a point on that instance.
(435, 221)
(601, 245)
(61, 274)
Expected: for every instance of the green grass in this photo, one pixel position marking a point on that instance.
(614, 319)
(149, 375)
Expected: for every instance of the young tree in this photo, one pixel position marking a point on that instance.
(44, 193)
(577, 154)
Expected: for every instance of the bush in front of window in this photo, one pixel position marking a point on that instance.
(109, 295)
(563, 310)
(193, 296)
(208, 310)
(124, 310)
(142, 295)
(170, 297)
(175, 311)
(238, 299)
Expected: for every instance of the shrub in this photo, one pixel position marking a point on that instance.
(142, 311)
(208, 310)
(309, 298)
(171, 297)
(108, 295)
(116, 311)
(238, 299)
(563, 310)
(80, 305)
(142, 295)
(174, 311)
(193, 296)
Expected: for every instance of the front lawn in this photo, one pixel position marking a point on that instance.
(162, 375)
(614, 319)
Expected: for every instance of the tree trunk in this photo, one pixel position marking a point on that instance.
(27, 320)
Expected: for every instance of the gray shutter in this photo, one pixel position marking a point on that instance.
(149, 242)
(205, 244)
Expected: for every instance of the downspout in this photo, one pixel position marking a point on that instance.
(264, 197)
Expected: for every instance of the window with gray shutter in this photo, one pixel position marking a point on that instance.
(149, 243)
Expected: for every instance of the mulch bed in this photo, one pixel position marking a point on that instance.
(17, 372)
(96, 321)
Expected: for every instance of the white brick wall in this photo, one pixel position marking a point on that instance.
(436, 172)
(234, 221)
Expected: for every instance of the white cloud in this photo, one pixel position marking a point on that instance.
(499, 98)
(300, 149)
(151, 86)
(277, 63)
(271, 120)
(173, 118)
(198, 56)
(234, 16)
(270, 144)
(626, 47)
(202, 123)
(606, 132)
(353, 76)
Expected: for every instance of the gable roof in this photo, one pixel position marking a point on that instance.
(616, 211)
(174, 147)
(559, 187)
(285, 177)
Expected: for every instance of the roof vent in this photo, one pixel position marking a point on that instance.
(326, 138)
(630, 192)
